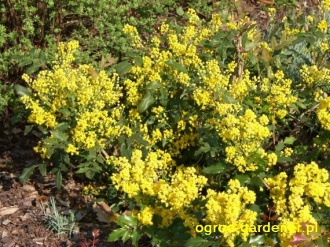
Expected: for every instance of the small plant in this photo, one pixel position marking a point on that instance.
(57, 222)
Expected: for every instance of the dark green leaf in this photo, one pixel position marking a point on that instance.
(43, 169)
(33, 68)
(284, 159)
(20, 90)
(123, 67)
(26, 174)
(147, 101)
(214, 169)
(279, 147)
(42, 57)
(58, 179)
(197, 242)
(116, 234)
(25, 62)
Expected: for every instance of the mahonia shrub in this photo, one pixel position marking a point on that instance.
(206, 127)
(78, 111)
(217, 101)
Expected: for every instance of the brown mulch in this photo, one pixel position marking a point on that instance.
(21, 217)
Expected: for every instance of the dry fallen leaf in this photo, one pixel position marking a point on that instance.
(8, 210)
(104, 212)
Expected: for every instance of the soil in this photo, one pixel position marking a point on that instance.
(21, 216)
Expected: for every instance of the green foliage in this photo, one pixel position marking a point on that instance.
(56, 221)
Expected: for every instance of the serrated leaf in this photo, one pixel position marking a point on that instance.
(59, 135)
(289, 140)
(22, 91)
(127, 235)
(135, 238)
(279, 147)
(127, 220)
(58, 179)
(214, 169)
(147, 101)
(26, 174)
(116, 234)
(43, 169)
(123, 67)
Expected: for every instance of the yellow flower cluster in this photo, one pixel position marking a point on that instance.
(229, 208)
(309, 181)
(323, 113)
(133, 33)
(246, 135)
(77, 96)
(313, 76)
(138, 178)
(279, 94)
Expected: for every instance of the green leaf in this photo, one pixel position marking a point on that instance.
(59, 135)
(177, 66)
(123, 67)
(127, 235)
(58, 179)
(214, 169)
(289, 140)
(180, 11)
(42, 57)
(33, 68)
(284, 159)
(203, 149)
(153, 85)
(22, 91)
(147, 101)
(243, 179)
(197, 242)
(26, 174)
(127, 220)
(116, 234)
(27, 129)
(279, 147)
(90, 174)
(25, 62)
(42, 169)
(135, 237)
(322, 242)
(62, 127)
(257, 239)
